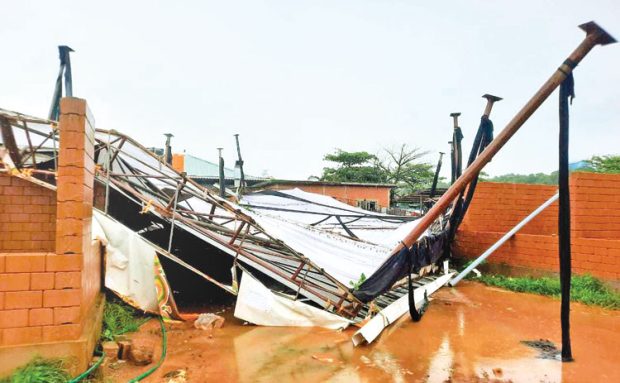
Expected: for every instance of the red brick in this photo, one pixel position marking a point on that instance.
(14, 282)
(61, 332)
(74, 209)
(71, 192)
(20, 217)
(64, 315)
(1, 300)
(70, 226)
(71, 279)
(40, 317)
(64, 262)
(2, 260)
(23, 335)
(62, 298)
(72, 106)
(72, 157)
(23, 299)
(17, 263)
(13, 190)
(41, 281)
(13, 318)
(68, 244)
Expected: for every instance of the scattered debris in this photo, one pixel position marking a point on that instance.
(141, 351)
(176, 376)
(110, 350)
(116, 365)
(547, 349)
(208, 322)
(323, 358)
(124, 348)
(498, 372)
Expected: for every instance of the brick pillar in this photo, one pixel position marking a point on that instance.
(75, 264)
(50, 301)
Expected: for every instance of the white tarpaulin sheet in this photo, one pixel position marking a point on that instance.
(320, 211)
(129, 263)
(258, 305)
(344, 258)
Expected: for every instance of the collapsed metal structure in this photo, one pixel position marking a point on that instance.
(220, 236)
(166, 208)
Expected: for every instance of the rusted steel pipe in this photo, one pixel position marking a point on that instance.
(595, 35)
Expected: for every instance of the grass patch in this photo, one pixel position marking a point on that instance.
(120, 318)
(40, 370)
(584, 288)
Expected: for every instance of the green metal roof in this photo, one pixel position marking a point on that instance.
(198, 168)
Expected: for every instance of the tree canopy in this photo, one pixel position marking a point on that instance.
(401, 167)
(533, 178)
(353, 167)
(603, 164)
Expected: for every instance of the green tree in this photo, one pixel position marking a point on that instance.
(353, 167)
(403, 168)
(603, 164)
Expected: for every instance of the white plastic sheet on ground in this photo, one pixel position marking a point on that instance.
(258, 305)
(129, 263)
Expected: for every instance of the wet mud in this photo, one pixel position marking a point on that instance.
(472, 333)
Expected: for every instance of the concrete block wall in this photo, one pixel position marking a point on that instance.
(595, 231)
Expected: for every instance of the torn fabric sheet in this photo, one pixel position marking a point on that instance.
(131, 268)
(258, 305)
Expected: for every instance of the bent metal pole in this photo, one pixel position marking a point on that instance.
(595, 35)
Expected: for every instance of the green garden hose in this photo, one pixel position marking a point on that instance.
(87, 372)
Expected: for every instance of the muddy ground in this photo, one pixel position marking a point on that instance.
(471, 333)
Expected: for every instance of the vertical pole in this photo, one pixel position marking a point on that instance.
(108, 171)
(457, 157)
(240, 163)
(566, 91)
(174, 213)
(222, 179)
(436, 178)
(452, 163)
(168, 149)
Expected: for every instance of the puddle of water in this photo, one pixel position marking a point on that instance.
(472, 333)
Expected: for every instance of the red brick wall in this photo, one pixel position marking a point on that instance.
(27, 216)
(345, 193)
(595, 220)
(45, 295)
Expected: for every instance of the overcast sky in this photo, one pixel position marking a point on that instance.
(297, 79)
